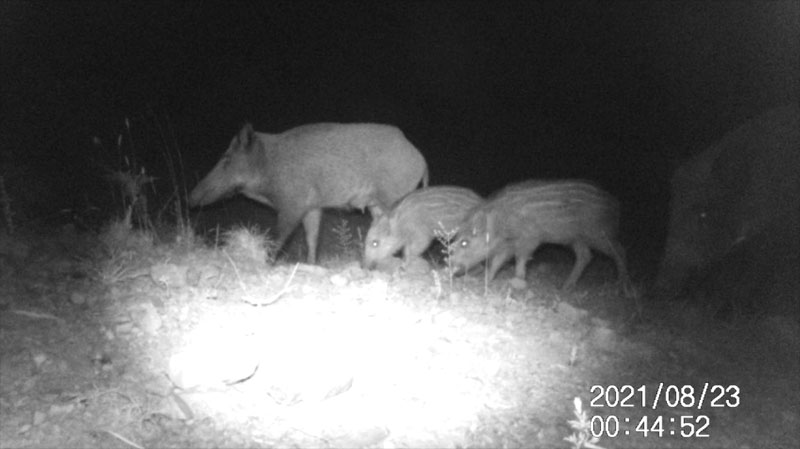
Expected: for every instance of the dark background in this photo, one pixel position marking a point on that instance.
(491, 92)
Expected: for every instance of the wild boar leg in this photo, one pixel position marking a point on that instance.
(522, 256)
(311, 224)
(419, 240)
(503, 254)
(286, 224)
(618, 254)
(582, 257)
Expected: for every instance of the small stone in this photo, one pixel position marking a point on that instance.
(77, 298)
(339, 280)
(39, 359)
(147, 317)
(38, 418)
(61, 409)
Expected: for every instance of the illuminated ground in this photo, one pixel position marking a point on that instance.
(170, 345)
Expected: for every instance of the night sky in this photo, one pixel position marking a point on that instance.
(490, 92)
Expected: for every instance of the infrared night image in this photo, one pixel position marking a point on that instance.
(518, 224)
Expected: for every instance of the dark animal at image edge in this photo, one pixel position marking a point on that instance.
(521, 217)
(412, 223)
(734, 226)
(302, 170)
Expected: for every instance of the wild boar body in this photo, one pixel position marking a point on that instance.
(305, 169)
(412, 223)
(521, 217)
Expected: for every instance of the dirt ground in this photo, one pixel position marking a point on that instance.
(118, 341)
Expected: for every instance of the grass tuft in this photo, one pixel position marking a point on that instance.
(446, 238)
(348, 246)
(249, 244)
(582, 429)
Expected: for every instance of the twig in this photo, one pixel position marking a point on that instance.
(37, 315)
(123, 439)
(236, 271)
(278, 295)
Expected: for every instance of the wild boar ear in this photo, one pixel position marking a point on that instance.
(246, 135)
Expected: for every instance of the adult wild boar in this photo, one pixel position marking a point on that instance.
(521, 217)
(302, 170)
(734, 226)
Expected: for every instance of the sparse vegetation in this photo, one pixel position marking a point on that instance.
(445, 237)
(581, 426)
(119, 235)
(117, 267)
(134, 185)
(348, 246)
(249, 244)
(248, 247)
(124, 250)
(130, 178)
(486, 262)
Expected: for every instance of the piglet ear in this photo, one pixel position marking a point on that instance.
(246, 135)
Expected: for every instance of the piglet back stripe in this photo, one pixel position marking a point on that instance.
(556, 194)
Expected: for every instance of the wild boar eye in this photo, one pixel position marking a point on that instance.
(374, 243)
(464, 243)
